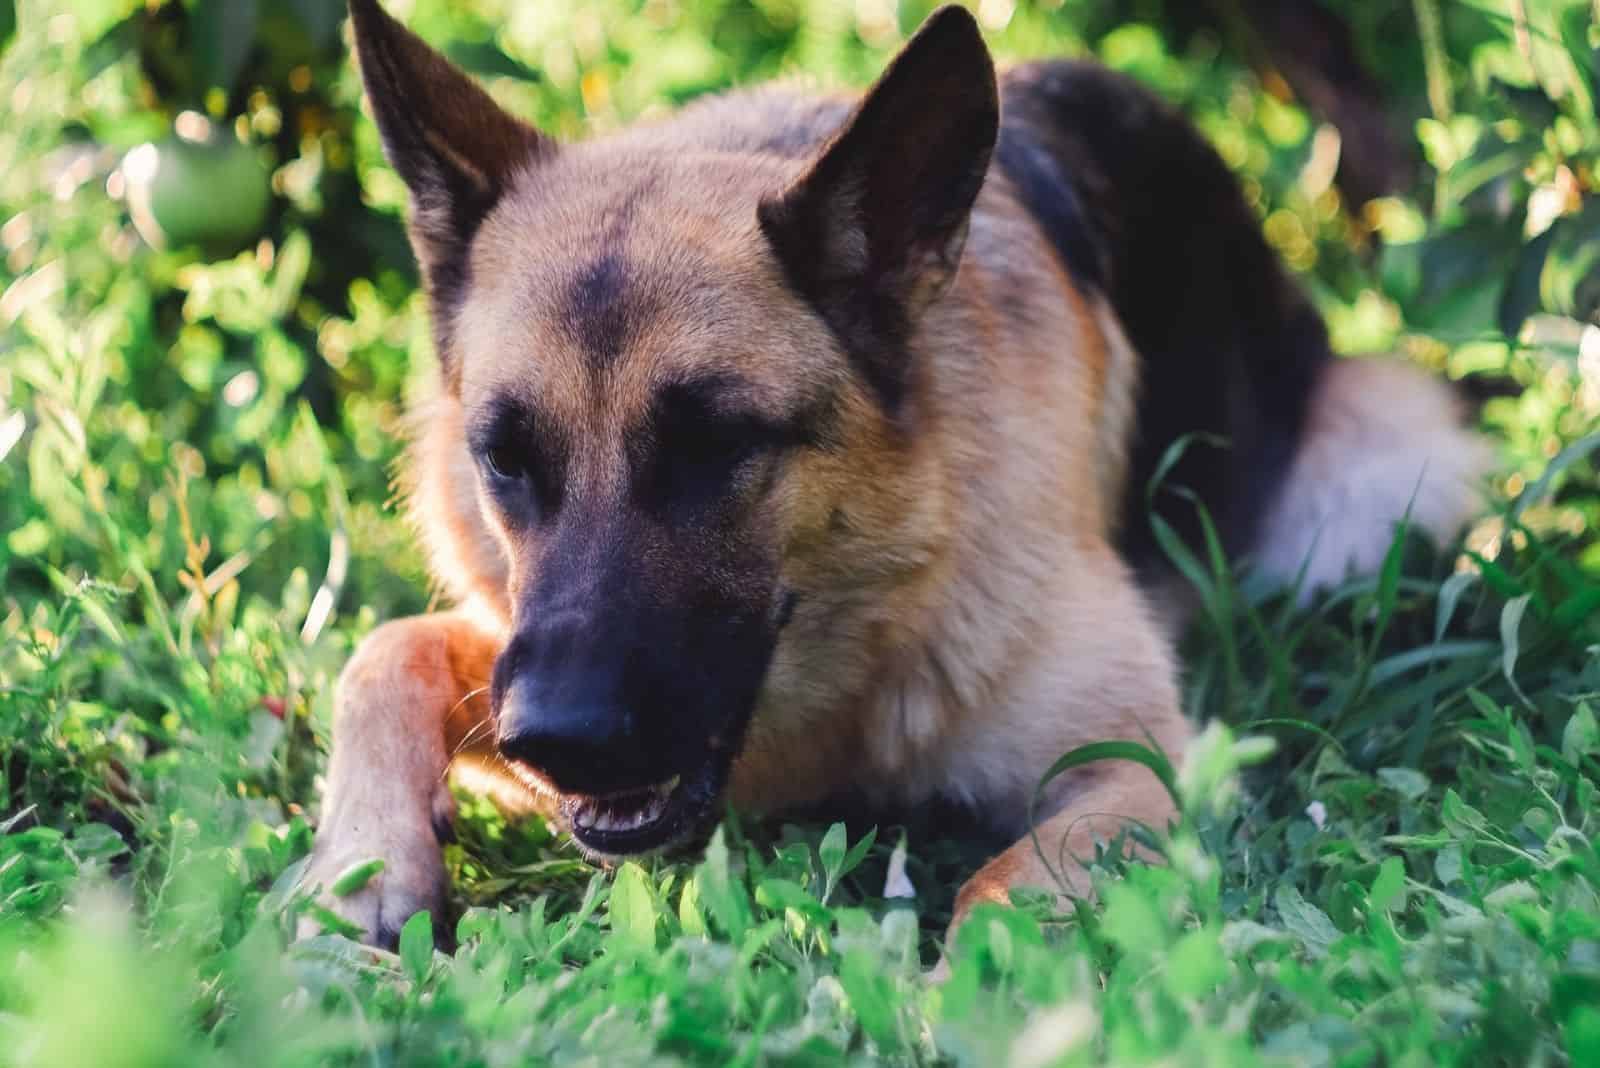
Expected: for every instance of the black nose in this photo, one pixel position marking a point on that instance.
(582, 744)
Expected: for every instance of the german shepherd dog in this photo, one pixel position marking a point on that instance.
(796, 447)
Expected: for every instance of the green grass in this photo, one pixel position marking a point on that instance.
(1387, 855)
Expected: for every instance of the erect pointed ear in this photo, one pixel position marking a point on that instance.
(455, 148)
(872, 232)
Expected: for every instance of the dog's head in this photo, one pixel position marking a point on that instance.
(686, 379)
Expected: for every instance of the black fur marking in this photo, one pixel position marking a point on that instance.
(1050, 197)
(786, 606)
(597, 313)
(1228, 345)
(606, 301)
(703, 445)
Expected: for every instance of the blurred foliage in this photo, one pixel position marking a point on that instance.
(208, 327)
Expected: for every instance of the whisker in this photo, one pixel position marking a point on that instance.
(478, 731)
(474, 732)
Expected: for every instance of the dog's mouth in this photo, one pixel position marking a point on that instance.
(643, 819)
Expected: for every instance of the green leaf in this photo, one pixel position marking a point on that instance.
(1389, 577)
(355, 877)
(1173, 454)
(1182, 558)
(1578, 23)
(1583, 1035)
(1407, 782)
(1388, 889)
(780, 894)
(287, 887)
(832, 852)
(1461, 818)
(1133, 921)
(1304, 920)
(1581, 736)
(416, 946)
(633, 908)
(1510, 624)
(1463, 277)
(87, 598)
(858, 852)
(1486, 706)
(872, 998)
(1196, 965)
(689, 915)
(1447, 864)
(1521, 746)
(8, 21)
(331, 921)
(96, 841)
(1450, 592)
(727, 902)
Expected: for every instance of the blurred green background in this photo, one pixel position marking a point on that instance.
(209, 324)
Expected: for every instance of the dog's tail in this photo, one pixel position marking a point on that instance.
(1383, 441)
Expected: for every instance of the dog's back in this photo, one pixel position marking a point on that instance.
(1302, 460)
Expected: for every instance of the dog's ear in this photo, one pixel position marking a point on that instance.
(872, 232)
(454, 147)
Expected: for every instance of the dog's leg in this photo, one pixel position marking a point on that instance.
(1114, 796)
(412, 697)
(1110, 676)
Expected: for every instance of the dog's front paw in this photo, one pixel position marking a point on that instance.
(375, 873)
(373, 890)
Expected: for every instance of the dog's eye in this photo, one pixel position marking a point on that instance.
(519, 462)
(724, 445)
(521, 491)
(503, 463)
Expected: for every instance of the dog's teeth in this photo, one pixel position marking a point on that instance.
(619, 814)
(586, 815)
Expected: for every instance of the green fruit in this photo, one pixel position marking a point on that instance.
(213, 193)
